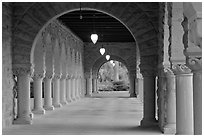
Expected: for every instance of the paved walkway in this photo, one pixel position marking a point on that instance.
(104, 114)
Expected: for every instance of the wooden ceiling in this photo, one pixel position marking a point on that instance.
(108, 28)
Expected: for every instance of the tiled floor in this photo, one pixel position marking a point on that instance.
(103, 114)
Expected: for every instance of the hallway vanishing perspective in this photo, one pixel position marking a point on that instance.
(53, 67)
(103, 114)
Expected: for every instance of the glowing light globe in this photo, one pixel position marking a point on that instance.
(94, 38)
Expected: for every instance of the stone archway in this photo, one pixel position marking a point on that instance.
(36, 17)
(32, 18)
(102, 60)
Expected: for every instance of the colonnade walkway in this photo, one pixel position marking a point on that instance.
(105, 113)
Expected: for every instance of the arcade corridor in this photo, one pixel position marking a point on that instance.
(52, 53)
(103, 114)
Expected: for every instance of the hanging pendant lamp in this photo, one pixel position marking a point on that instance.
(107, 57)
(111, 61)
(102, 50)
(94, 36)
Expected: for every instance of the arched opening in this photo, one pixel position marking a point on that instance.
(112, 78)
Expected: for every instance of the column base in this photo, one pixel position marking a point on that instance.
(73, 98)
(57, 105)
(38, 111)
(69, 100)
(148, 123)
(23, 120)
(48, 108)
(88, 95)
(133, 95)
(64, 103)
(170, 129)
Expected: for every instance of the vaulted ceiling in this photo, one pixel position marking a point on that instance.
(108, 28)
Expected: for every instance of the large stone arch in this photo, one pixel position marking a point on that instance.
(32, 18)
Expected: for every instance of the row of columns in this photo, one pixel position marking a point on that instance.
(65, 89)
(183, 100)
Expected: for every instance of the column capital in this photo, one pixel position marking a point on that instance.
(22, 71)
(195, 64)
(180, 69)
(132, 74)
(68, 77)
(63, 76)
(148, 72)
(57, 76)
(49, 75)
(38, 75)
(87, 75)
(168, 72)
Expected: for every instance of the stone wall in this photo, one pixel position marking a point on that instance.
(7, 77)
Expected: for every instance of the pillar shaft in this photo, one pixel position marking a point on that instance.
(94, 85)
(23, 85)
(132, 86)
(73, 89)
(63, 91)
(48, 93)
(184, 100)
(37, 85)
(89, 86)
(195, 64)
(77, 88)
(68, 89)
(170, 127)
(56, 92)
(149, 102)
(197, 102)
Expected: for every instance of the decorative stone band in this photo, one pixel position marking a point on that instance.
(195, 64)
(180, 69)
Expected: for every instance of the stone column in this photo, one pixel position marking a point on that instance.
(94, 82)
(192, 40)
(24, 115)
(184, 100)
(132, 77)
(68, 88)
(76, 88)
(63, 90)
(140, 86)
(149, 100)
(195, 65)
(56, 91)
(170, 127)
(37, 82)
(73, 88)
(48, 92)
(88, 84)
(82, 87)
(79, 87)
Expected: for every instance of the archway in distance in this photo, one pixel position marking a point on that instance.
(112, 78)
